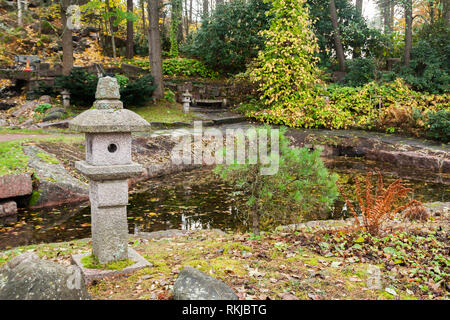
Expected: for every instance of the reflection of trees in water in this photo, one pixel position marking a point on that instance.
(47, 225)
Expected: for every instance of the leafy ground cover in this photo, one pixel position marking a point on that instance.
(276, 265)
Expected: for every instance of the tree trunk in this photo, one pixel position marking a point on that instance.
(154, 44)
(130, 40)
(391, 15)
(359, 5)
(337, 37)
(19, 12)
(144, 27)
(190, 11)
(446, 11)
(186, 19)
(113, 40)
(66, 40)
(408, 31)
(205, 7)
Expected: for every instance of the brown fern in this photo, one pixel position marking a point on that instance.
(376, 209)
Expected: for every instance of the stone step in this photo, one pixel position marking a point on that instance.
(206, 110)
(210, 103)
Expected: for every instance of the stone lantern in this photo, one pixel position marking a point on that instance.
(186, 99)
(66, 98)
(107, 127)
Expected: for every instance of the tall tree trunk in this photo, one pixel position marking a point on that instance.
(205, 7)
(359, 5)
(113, 40)
(391, 15)
(445, 11)
(337, 36)
(386, 15)
(408, 31)
(19, 12)
(186, 19)
(144, 27)
(357, 50)
(190, 11)
(154, 44)
(130, 40)
(66, 40)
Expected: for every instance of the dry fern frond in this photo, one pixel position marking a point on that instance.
(416, 212)
(375, 210)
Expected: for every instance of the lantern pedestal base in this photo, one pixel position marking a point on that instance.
(89, 275)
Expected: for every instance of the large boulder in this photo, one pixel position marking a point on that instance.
(26, 277)
(56, 185)
(27, 106)
(192, 284)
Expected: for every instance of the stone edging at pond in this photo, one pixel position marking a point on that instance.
(399, 151)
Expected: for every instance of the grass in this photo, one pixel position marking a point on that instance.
(164, 111)
(32, 131)
(12, 158)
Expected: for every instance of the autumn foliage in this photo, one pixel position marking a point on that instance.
(378, 206)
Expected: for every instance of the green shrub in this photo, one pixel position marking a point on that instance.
(81, 85)
(429, 69)
(121, 79)
(178, 67)
(43, 88)
(184, 67)
(439, 123)
(138, 92)
(228, 39)
(42, 107)
(302, 185)
(170, 96)
(372, 106)
(360, 71)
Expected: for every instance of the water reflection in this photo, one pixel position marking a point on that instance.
(195, 200)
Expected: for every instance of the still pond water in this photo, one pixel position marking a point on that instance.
(195, 200)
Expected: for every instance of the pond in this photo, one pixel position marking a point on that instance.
(196, 200)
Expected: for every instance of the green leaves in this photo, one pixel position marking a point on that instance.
(301, 186)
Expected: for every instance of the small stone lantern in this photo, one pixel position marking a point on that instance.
(107, 127)
(186, 99)
(66, 98)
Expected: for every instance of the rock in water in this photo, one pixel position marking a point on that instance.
(192, 284)
(26, 277)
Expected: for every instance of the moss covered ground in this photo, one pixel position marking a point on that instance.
(272, 267)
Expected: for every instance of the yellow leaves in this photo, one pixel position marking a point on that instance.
(93, 54)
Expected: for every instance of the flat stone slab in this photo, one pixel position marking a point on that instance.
(90, 275)
(113, 172)
(58, 124)
(13, 185)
